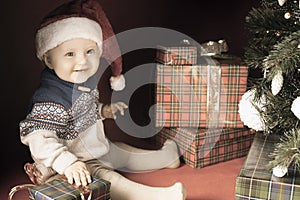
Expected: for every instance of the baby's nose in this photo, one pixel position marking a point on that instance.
(81, 59)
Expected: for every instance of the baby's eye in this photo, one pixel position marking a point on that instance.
(69, 54)
(90, 51)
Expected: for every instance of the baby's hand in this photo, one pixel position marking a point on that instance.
(109, 111)
(78, 172)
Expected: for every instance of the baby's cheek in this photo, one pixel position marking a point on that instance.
(94, 61)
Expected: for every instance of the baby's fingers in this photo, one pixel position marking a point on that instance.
(77, 179)
(70, 178)
(121, 107)
(122, 104)
(85, 178)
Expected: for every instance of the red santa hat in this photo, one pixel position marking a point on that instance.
(81, 19)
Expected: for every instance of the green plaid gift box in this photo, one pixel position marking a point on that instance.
(255, 180)
(61, 190)
(179, 55)
(203, 147)
(200, 95)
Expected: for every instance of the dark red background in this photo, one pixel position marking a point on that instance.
(20, 69)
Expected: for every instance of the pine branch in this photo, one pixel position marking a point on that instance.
(276, 113)
(267, 21)
(267, 27)
(287, 151)
(285, 56)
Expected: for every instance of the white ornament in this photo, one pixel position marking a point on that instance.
(280, 171)
(281, 2)
(295, 108)
(287, 15)
(277, 83)
(248, 112)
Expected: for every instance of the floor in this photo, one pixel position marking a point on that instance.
(215, 182)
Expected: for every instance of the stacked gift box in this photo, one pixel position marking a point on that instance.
(256, 181)
(204, 147)
(59, 189)
(197, 105)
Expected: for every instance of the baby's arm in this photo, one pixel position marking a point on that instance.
(45, 148)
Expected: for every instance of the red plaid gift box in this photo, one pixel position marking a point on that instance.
(200, 95)
(204, 147)
(181, 55)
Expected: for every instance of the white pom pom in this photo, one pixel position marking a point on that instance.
(248, 112)
(280, 171)
(295, 108)
(117, 83)
(277, 83)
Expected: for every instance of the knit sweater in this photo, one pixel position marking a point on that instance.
(64, 124)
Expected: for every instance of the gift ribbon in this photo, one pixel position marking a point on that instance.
(19, 188)
(213, 80)
(213, 94)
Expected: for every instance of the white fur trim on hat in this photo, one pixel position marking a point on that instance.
(60, 31)
(117, 83)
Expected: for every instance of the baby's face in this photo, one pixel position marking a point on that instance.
(74, 60)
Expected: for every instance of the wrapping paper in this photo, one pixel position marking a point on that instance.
(181, 55)
(203, 147)
(200, 95)
(61, 190)
(255, 180)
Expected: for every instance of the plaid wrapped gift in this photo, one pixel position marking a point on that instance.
(200, 95)
(255, 180)
(179, 55)
(204, 147)
(61, 190)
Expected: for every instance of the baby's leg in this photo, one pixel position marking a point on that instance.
(141, 159)
(124, 189)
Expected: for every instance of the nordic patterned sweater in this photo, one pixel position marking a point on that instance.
(64, 124)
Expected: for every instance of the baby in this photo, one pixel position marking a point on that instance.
(64, 128)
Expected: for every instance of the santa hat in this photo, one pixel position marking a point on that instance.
(81, 19)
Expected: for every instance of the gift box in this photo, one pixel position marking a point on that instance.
(59, 189)
(255, 180)
(203, 95)
(203, 147)
(177, 55)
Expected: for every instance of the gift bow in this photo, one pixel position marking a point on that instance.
(211, 48)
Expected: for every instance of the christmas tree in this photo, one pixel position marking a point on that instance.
(272, 103)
